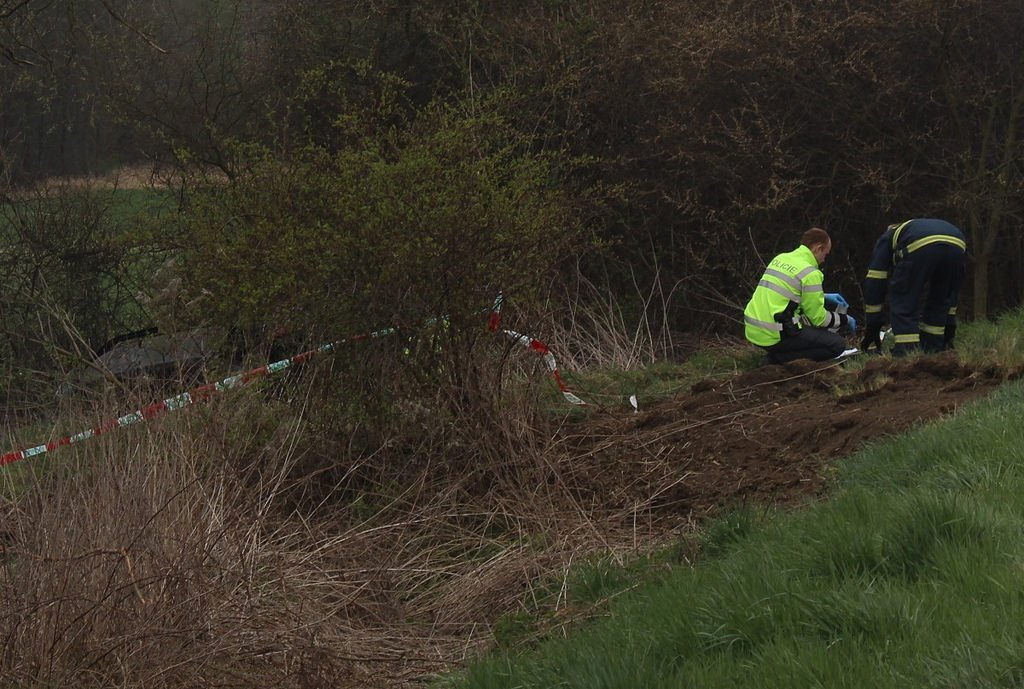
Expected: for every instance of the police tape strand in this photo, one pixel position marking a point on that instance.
(494, 323)
(205, 392)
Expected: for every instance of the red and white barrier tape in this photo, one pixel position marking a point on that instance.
(494, 323)
(205, 392)
(199, 394)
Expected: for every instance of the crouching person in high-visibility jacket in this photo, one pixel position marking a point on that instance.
(787, 314)
(922, 264)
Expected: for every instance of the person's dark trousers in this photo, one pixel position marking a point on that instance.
(924, 289)
(816, 344)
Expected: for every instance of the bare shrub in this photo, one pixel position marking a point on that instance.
(605, 327)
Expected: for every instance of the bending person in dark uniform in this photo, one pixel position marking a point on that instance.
(922, 264)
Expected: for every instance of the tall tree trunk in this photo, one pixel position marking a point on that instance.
(980, 286)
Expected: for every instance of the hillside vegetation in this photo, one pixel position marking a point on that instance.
(375, 174)
(239, 542)
(906, 576)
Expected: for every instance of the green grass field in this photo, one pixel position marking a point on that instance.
(909, 575)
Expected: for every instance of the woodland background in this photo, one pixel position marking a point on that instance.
(655, 151)
(295, 172)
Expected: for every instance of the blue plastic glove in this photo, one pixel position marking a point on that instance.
(835, 298)
(852, 322)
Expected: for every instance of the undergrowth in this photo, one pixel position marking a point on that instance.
(906, 576)
(283, 538)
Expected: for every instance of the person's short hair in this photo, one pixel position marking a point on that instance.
(815, 236)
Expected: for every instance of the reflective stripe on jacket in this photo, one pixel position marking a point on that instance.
(791, 281)
(895, 243)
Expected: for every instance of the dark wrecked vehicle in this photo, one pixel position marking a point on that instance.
(181, 359)
(153, 356)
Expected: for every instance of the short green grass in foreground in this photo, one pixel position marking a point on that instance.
(910, 576)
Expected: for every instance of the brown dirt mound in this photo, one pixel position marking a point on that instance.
(765, 436)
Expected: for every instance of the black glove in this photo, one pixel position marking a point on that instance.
(872, 336)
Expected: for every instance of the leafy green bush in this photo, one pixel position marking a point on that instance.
(432, 221)
(411, 233)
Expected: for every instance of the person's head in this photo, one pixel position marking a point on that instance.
(818, 241)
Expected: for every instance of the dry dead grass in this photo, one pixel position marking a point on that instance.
(218, 546)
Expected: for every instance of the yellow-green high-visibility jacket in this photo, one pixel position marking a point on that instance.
(791, 281)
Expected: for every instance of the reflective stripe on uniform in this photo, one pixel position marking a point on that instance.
(779, 289)
(793, 282)
(935, 238)
(814, 288)
(908, 339)
(952, 311)
(878, 275)
(932, 329)
(805, 272)
(762, 324)
(872, 308)
(899, 228)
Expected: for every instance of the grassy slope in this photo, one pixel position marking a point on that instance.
(908, 576)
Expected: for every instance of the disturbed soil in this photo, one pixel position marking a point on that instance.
(611, 480)
(769, 435)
